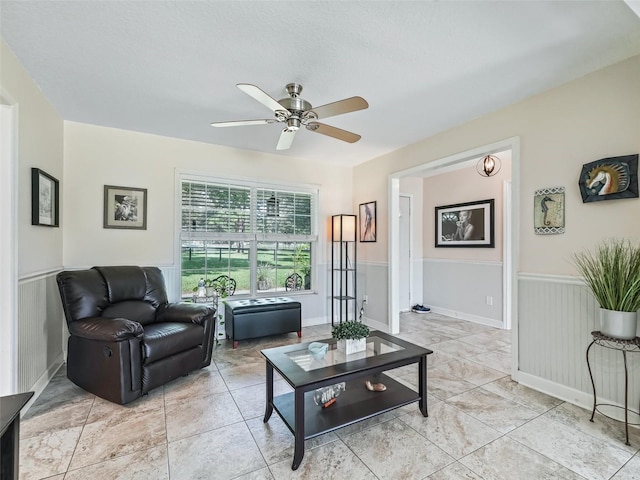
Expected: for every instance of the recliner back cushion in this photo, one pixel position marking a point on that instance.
(136, 310)
(134, 283)
(124, 283)
(83, 292)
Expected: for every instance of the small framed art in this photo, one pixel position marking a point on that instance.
(45, 199)
(125, 207)
(367, 219)
(548, 211)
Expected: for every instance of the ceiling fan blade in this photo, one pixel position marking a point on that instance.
(237, 123)
(347, 105)
(334, 132)
(286, 139)
(261, 96)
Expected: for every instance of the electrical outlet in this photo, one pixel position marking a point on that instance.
(365, 298)
(489, 300)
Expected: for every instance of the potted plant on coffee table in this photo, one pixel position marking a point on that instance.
(351, 335)
(612, 273)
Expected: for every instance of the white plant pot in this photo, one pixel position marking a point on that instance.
(622, 325)
(352, 346)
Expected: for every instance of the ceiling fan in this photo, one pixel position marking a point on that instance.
(294, 111)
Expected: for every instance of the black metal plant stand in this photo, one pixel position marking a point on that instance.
(624, 346)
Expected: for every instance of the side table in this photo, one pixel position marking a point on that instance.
(10, 407)
(214, 301)
(623, 346)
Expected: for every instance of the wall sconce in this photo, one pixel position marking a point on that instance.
(488, 166)
(343, 228)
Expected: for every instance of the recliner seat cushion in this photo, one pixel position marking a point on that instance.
(161, 340)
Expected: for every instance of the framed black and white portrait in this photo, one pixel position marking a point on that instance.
(125, 207)
(468, 224)
(45, 199)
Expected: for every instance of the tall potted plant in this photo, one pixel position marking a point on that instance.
(612, 273)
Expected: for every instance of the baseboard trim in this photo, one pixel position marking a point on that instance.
(43, 381)
(490, 322)
(310, 322)
(383, 327)
(567, 394)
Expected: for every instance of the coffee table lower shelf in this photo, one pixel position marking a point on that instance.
(356, 403)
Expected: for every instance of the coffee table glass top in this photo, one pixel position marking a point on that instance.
(307, 361)
(299, 368)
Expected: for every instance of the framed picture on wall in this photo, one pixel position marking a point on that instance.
(45, 199)
(367, 219)
(609, 178)
(125, 207)
(465, 225)
(548, 211)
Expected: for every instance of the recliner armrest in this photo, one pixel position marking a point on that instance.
(184, 313)
(105, 329)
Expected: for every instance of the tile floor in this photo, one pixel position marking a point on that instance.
(208, 425)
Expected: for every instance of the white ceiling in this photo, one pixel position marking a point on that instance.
(170, 67)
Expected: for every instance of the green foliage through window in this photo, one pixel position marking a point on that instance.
(259, 237)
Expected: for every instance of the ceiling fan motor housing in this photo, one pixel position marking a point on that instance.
(295, 104)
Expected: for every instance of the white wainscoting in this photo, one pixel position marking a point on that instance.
(555, 319)
(40, 331)
(172, 281)
(459, 288)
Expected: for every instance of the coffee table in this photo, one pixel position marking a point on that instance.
(305, 373)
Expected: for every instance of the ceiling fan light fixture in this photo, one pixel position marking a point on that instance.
(488, 166)
(293, 124)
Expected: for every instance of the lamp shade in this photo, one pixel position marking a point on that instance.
(343, 228)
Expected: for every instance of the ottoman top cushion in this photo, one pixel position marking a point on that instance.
(261, 304)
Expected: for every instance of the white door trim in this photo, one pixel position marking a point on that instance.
(8, 249)
(410, 272)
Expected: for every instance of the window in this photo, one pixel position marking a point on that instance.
(263, 238)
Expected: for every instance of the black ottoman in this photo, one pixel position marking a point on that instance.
(260, 317)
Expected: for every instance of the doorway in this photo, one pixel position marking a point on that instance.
(406, 223)
(448, 164)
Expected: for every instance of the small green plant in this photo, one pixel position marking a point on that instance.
(263, 276)
(301, 260)
(612, 273)
(264, 271)
(350, 330)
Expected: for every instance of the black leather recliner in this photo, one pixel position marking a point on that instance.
(125, 337)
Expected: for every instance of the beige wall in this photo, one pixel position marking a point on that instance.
(38, 319)
(40, 145)
(97, 156)
(594, 117)
(462, 186)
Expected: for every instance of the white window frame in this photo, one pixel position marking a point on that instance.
(255, 237)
